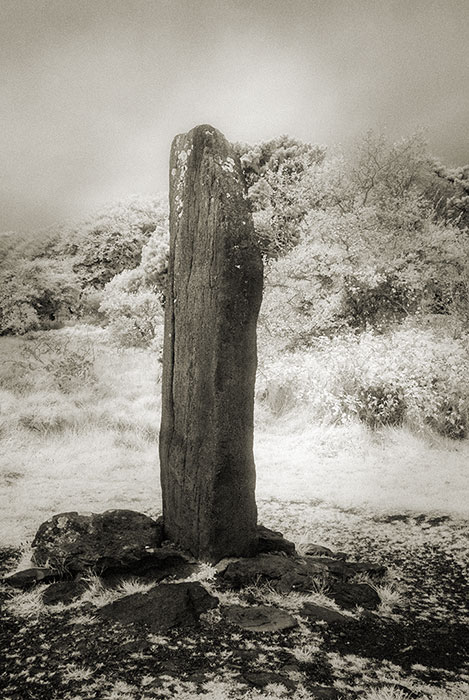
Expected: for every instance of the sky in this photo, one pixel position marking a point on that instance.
(92, 92)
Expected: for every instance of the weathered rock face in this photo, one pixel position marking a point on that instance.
(114, 540)
(284, 573)
(163, 607)
(209, 359)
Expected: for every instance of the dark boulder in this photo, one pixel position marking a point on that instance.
(348, 595)
(166, 606)
(286, 573)
(162, 564)
(63, 592)
(366, 567)
(114, 540)
(316, 550)
(336, 567)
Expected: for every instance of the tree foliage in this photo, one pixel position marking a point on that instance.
(371, 251)
(112, 240)
(34, 294)
(275, 175)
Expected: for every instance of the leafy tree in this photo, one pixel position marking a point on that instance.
(132, 302)
(34, 294)
(274, 172)
(383, 171)
(112, 240)
(449, 192)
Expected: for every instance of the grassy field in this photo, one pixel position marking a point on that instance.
(89, 441)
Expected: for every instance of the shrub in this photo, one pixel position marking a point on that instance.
(64, 359)
(376, 305)
(412, 375)
(451, 418)
(112, 240)
(380, 404)
(34, 294)
(134, 313)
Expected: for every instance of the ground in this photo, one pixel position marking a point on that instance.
(415, 645)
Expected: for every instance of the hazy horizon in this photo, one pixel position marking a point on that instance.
(93, 91)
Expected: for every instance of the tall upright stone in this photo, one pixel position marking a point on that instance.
(209, 358)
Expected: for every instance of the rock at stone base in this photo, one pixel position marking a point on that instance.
(318, 612)
(30, 577)
(348, 595)
(296, 580)
(160, 565)
(260, 679)
(116, 539)
(286, 573)
(260, 618)
(63, 592)
(166, 606)
(337, 567)
(271, 541)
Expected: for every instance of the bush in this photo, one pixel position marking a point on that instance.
(112, 240)
(35, 295)
(134, 313)
(380, 404)
(376, 305)
(65, 360)
(415, 376)
(452, 416)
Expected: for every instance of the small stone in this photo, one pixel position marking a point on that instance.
(319, 612)
(348, 595)
(272, 541)
(166, 606)
(316, 550)
(260, 618)
(30, 577)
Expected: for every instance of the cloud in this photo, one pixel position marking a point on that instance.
(93, 92)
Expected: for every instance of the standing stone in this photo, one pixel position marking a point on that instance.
(209, 357)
